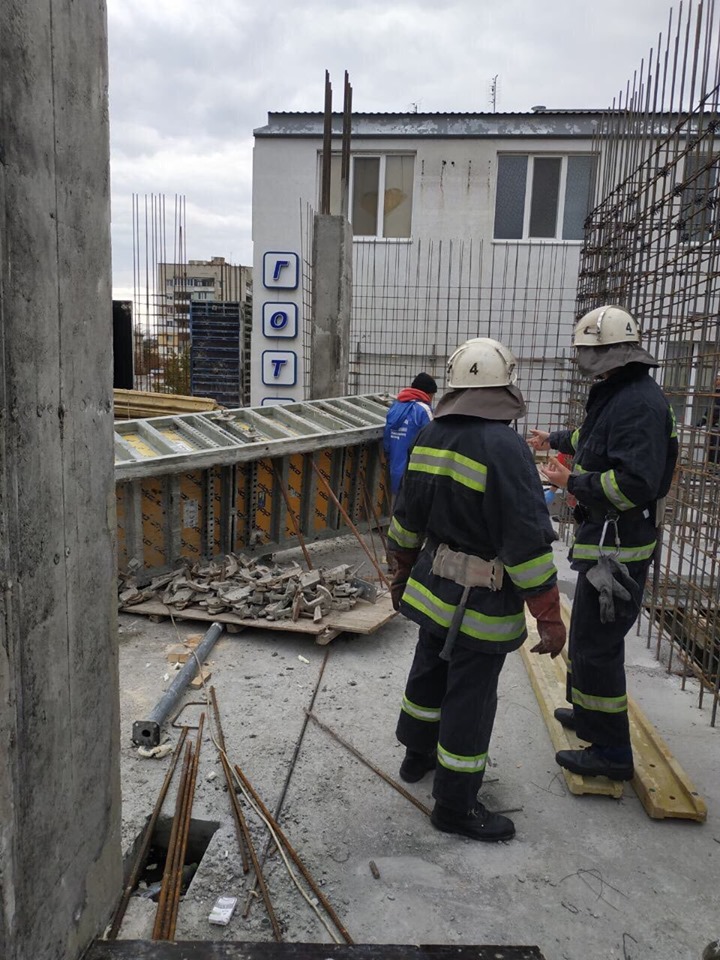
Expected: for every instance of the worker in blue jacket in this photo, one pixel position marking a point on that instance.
(472, 541)
(624, 454)
(405, 419)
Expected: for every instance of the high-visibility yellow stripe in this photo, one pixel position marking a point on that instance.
(591, 551)
(428, 714)
(613, 492)
(480, 626)
(574, 437)
(673, 426)
(402, 536)
(533, 573)
(459, 763)
(447, 463)
(600, 704)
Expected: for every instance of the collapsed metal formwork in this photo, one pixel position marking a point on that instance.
(652, 244)
(200, 486)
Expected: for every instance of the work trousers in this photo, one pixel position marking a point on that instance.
(450, 708)
(596, 668)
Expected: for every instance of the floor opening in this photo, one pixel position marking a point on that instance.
(199, 837)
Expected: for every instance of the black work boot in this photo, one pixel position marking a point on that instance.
(416, 765)
(478, 824)
(615, 763)
(565, 717)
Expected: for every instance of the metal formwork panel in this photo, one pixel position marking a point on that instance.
(215, 351)
(202, 485)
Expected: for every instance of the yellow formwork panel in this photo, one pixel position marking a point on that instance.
(296, 466)
(137, 443)
(181, 442)
(192, 515)
(262, 521)
(152, 508)
(322, 499)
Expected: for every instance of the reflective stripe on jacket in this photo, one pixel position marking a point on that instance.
(472, 483)
(624, 456)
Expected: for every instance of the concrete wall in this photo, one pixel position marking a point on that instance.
(332, 302)
(60, 864)
(522, 292)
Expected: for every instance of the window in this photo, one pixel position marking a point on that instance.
(543, 197)
(699, 198)
(385, 177)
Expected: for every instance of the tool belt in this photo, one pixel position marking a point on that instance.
(466, 569)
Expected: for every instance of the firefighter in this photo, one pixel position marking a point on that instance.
(624, 456)
(472, 539)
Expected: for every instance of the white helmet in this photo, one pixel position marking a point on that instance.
(481, 362)
(606, 325)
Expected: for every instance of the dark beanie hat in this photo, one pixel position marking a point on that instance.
(424, 382)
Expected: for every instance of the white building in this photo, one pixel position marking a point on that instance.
(464, 225)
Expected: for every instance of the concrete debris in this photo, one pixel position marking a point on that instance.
(156, 753)
(251, 589)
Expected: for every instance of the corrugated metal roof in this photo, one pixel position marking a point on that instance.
(546, 123)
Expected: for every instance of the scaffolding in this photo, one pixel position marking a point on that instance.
(652, 244)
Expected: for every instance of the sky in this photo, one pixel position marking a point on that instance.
(190, 81)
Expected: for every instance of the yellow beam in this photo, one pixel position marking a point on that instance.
(663, 787)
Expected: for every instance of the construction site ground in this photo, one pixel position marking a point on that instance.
(586, 878)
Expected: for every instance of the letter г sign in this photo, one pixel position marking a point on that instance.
(281, 271)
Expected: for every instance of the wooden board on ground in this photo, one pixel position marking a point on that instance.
(364, 618)
(663, 787)
(548, 681)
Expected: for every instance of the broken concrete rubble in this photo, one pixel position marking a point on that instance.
(251, 589)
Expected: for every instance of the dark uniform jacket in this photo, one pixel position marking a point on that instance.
(624, 456)
(472, 483)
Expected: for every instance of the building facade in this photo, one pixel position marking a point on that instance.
(463, 225)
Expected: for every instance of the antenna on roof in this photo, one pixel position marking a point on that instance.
(494, 93)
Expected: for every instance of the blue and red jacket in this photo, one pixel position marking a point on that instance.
(405, 418)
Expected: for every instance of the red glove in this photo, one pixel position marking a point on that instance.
(545, 607)
(404, 562)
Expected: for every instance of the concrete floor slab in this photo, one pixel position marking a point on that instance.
(586, 877)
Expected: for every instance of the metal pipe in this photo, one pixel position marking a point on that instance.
(147, 732)
(142, 854)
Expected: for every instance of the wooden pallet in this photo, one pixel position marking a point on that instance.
(663, 787)
(364, 618)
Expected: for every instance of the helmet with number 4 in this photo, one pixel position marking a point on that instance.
(604, 326)
(481, 362)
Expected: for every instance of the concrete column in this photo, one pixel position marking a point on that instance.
(60, 862)
(332, 303)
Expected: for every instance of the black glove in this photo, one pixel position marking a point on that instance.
(404, 562)
(545, 607)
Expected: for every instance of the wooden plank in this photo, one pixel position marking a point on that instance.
(364, 618)
(228, 950)
(548, 681)
(663, 787)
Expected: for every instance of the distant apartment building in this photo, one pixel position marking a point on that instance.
(180, 284)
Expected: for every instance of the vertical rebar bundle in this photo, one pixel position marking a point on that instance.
(652, 244)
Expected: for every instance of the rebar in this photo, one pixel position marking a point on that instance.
(142, 854)
(294, 856)
(381, 773)
(652, 244)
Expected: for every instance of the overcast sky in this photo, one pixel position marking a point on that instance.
(190, 80)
